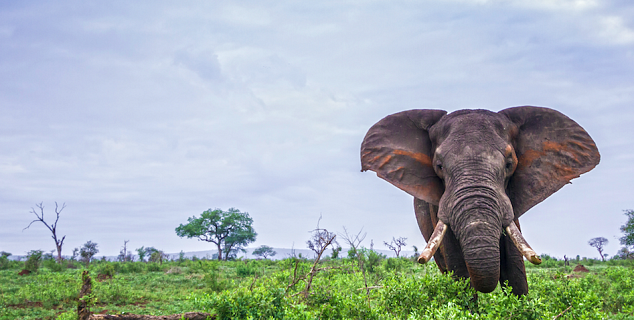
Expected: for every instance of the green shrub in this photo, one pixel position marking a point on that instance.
(260, 303)
(106, 269)
(245, 269)
(212, 278)
(5, 263)
(153, 267)
(403, 295)
(396, 264)
(33, 260)
(132, 267)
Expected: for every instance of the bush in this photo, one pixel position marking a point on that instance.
(396, 264)
(264, 302)
(153, 267)
(245, 269)
(33, 260)
(132, 267)
(52, 265)
(106, 269)
(372, 259)
(5, 263)
(212, 278)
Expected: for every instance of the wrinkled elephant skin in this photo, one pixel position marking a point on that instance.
(473, 173)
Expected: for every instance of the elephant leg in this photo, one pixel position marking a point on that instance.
(512, 266)
(425, 216)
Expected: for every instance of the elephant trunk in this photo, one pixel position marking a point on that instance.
(476, 220)
(482, 257)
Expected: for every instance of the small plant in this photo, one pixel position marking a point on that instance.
(4, 260)
(212, 278)
(33, 260)
(52, 265)
(246, 269)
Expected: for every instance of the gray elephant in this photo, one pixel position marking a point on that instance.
(473, 173)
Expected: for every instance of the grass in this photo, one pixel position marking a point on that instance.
(398, 289)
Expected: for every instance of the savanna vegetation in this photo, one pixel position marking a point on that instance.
(364, 285)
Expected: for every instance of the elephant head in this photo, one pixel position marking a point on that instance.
(473, 173)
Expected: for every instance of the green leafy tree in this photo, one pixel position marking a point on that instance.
(599, 243)
(142, 253)
(628, 230)
(87, 251)
(156, 255)
(264, 251)
(229, 230)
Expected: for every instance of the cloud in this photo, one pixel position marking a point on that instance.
(139, 115)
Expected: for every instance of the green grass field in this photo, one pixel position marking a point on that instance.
(395, 289)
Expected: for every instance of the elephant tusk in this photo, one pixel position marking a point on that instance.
(522, 245)
(433, 243)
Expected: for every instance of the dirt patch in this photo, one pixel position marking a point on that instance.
(580, 268)
(26, 304)
(24, 272)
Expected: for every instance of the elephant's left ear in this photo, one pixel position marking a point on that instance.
(551, 150)
(398, 149)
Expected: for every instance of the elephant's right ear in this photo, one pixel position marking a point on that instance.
(398, 149)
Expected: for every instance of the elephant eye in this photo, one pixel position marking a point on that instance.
(509, 164)
(439, 166)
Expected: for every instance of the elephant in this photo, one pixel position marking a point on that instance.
(473, 173)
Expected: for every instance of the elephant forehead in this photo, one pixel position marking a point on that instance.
(481, 130)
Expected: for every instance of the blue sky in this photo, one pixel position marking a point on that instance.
(140, 115)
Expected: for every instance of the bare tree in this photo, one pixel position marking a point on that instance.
(354, 241)
(322, 238)
(396, 245)
(598, 243)
(124, 255)
(53, 227)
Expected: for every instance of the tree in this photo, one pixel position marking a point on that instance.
(87, 251)
(53, 227)
(156, 255)
(141, 252)
(354, 241)
(598, 243)
(322, 238)
(628, 229)
(124, 254)
(396, 245)
(264, 251)
(229, 230)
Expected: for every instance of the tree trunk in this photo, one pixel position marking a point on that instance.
(83, 310)
(59, 252)
(219, 252)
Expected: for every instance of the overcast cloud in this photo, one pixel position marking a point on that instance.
(141, 114)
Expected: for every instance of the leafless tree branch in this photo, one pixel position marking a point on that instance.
(53, 227)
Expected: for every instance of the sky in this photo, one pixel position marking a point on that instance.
(138, 115)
